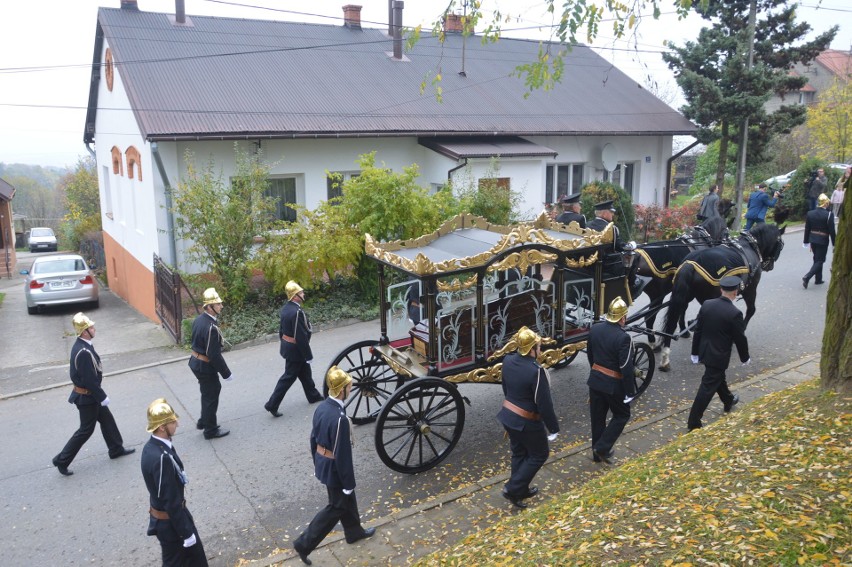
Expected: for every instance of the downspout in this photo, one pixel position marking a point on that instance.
(668, 193)
(170, 220)
(92, 152)
(456, 168)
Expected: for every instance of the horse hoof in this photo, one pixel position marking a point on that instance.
(665, 368)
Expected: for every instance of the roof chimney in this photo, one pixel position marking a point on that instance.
(452, 23)
(352, 16)
(397, 29)
(129, 5)
(180, 12)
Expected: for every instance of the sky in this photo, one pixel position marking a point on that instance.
(46, 49)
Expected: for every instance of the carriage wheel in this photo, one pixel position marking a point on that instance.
(643, 366)
(373, 381)
(419, 425)
(566, 361)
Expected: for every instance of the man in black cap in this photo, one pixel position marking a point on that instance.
(719, 326)
(571, 211)
(819, 230)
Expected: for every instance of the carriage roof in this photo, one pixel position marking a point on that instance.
(467, 241)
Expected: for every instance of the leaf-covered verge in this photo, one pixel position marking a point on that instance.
(768, 485)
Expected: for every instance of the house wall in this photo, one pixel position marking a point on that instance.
(8, 257)
(130, 279)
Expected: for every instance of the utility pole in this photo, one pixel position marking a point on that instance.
(741, 158)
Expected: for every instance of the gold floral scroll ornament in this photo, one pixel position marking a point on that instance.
(523, 260)
(582, 262)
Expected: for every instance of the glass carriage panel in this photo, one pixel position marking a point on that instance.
(404, 309)
(579, 294)
(522, 300)
(456, 320)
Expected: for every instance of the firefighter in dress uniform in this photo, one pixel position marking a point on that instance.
(611, 380)
(207, 363)
(819, 230)
(571, 211)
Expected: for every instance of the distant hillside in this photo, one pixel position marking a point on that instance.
(46, 176)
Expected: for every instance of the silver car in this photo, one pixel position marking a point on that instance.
(59, 280)
(42, 238)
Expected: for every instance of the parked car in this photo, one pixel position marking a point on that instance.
(42, 238)
(780, 181)
(59, 280)
(840, 166)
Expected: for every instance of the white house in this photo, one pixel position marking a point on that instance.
(315, 97)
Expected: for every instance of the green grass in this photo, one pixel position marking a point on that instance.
(768, 485)
(2, 295)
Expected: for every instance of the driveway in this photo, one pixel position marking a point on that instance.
(35, 348)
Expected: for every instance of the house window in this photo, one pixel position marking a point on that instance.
(282, 190)
(107, 193)
(335, 181)
(622, 176)
(134, 163)
(499, 182)
(117, 164)
(561, 180)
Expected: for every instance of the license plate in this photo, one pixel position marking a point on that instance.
(61, 285)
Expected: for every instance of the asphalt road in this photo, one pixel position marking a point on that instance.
(254, 490)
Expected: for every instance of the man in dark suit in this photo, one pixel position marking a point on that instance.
(331, 450)
(294, 331)
(611, 380)
(819, 230)
(91, 400)
(527, 410)
(571, 211)
(207, 363)
(719, 326)
(162, 469)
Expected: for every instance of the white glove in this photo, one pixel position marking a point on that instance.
(806, 246)
(105, 403)
(311, 361)
(747, 362)
(229, 378)
(190, 541)
(693, 358)
(628, 399)
(348, 491)
(552, 437)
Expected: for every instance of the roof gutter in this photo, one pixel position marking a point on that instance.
(170, 219)
(456, 168)
(668, 192)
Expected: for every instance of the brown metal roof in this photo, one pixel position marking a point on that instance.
(6, 191)
(231, 78)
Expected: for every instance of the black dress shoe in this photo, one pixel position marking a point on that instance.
(805, 283)
(818, 283)
(367, 533)
(198, 425)
(531, 491)
(517, 502)
(734, 401)
(123, 453)
(302, 555)
(315, 400)
(216, 433)
(598, 457)
(63, 469)
(275, 413)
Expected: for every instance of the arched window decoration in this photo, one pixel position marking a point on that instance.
(109, 70)
(117, 164)
(134, 163)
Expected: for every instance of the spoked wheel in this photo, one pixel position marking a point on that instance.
(419, 425)
(566, 361)
(643, 366)
(373, 381)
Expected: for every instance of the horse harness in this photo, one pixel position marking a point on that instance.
(742, 252)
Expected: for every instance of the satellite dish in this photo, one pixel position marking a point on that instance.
(609, 157)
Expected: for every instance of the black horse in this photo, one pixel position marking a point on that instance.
(658, 261)
(698, 276)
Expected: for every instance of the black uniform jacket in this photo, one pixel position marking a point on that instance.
(525, 384)
(331, 431)
(294, 323)
(819, 227)
(85, 367)
(600, 224)
(165, 486)
(569, 216)
(207, 340)
(720, 325)
(611, 347)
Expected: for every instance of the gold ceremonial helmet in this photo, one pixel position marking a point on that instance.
(527, 339)
(823, 200)
(81, 323)
(291, 289)
(336, 380)
(160, 413)
(210, 296)
(617, 310)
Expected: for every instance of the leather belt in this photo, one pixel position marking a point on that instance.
(819, 232)
(79, 390)
(325, 452)
(160, 515)
(607, 371)
(521, 411)
(288, 339)
(201, 357)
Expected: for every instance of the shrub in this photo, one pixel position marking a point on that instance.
(654, 222)
(598, 191)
